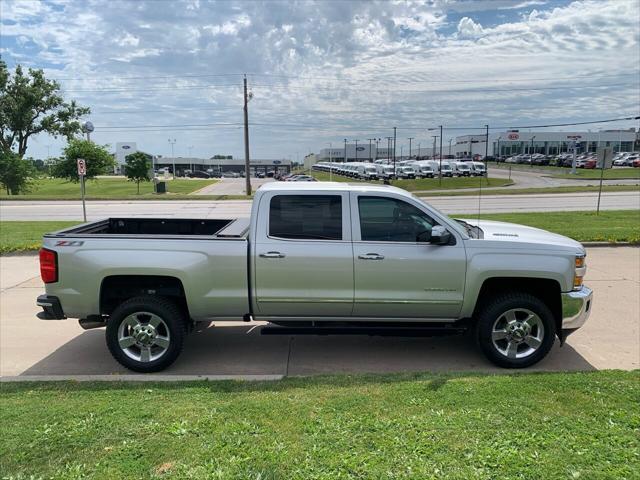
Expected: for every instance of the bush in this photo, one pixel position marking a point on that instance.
(16, 174)
(98, 160)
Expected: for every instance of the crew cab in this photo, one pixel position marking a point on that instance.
(326, 258)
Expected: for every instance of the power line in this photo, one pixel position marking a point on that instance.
(337, 79)
(337, 88)
(324, 127)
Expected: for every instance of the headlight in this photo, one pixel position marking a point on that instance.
(579, 272)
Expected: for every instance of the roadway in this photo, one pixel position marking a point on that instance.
(69, 210)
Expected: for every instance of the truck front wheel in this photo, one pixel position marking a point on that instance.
(145, 334)
(515, 330)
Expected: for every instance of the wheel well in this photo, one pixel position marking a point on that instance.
(545, 289)
(118, 288)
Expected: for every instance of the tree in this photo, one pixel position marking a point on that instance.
(16, 174)
(137, 167)
(31, 104)
(99, 161)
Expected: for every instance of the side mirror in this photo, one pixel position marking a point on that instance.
(439, 235)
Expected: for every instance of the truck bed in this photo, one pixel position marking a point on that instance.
(217, 228)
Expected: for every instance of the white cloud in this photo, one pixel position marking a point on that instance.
(468, 28)
(329, 69)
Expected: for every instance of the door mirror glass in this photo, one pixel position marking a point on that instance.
(439, 235)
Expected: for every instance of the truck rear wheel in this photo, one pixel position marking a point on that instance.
(145, 334)
(515, 330)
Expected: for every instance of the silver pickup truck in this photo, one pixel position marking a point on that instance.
(321, 258)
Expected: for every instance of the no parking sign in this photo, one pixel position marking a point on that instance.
(82, 167)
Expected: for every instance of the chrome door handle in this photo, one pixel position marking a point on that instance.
(272, 255)
(371, 256)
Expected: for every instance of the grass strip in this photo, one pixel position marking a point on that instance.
(610, 226)
(106, 189)
(525, 426)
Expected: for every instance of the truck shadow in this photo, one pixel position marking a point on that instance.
(241, 350)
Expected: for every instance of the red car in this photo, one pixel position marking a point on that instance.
(591, 163)
(636, 163)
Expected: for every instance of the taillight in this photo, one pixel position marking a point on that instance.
(48, 265)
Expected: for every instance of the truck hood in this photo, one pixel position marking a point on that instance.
(512, 232)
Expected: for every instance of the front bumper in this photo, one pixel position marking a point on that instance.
(576, 308)
(51, 308)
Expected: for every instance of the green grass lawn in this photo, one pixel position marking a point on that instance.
(609, 226)
(105, 188)
(615, 173)
(529, 191)
(422, 426)
(422, 184)
(563, 172)
(25, 236)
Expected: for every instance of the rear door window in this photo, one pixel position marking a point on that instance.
(306, 217)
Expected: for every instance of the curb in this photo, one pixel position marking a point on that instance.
(137, 378)
(609, 244)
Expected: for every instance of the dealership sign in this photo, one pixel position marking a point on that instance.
(360, 149)
(513, 136)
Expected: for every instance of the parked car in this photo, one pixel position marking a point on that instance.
(317, 258)
(303, 178)
(446, 170)
(478, 169)
(198, 174)
(231, 175)
(590, 163)
(461, 169)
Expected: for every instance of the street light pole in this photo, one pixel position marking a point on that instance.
(370, 157)
(356, 140)
(530, 152)
(344, 160)
(173, 158)
(330, 161)
(394, 151)
(450, 140)
(410, 138)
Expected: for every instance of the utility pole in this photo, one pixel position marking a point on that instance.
(330, 162)
(530, 152)
(247, 175)
(450, 140)
(173, 157)
(486, 154)
(441, 150)
(356, 140)
(345, 151)
(394, 151)
(370, 156)
(388, 148)
(410, 138)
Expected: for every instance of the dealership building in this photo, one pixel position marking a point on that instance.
(514, 142)
(225, 165)
(212, 164)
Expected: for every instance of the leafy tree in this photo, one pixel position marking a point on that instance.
(137, 167)
(98, 160)
(31, 104)
(16, 174)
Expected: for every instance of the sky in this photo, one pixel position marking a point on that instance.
(168, 74)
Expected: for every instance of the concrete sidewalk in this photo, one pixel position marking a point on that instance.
(61, 349)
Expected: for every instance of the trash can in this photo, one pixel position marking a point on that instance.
(161, 187)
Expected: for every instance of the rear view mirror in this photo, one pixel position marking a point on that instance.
(439, 235)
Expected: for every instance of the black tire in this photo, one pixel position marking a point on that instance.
(174, 322)
(493, 312)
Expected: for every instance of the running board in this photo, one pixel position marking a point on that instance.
(371, 331)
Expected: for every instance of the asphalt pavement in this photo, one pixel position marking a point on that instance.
(34, 349)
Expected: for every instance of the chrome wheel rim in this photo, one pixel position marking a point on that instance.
(517, 333)
(144, 337)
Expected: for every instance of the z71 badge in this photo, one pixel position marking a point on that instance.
(69, 243)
